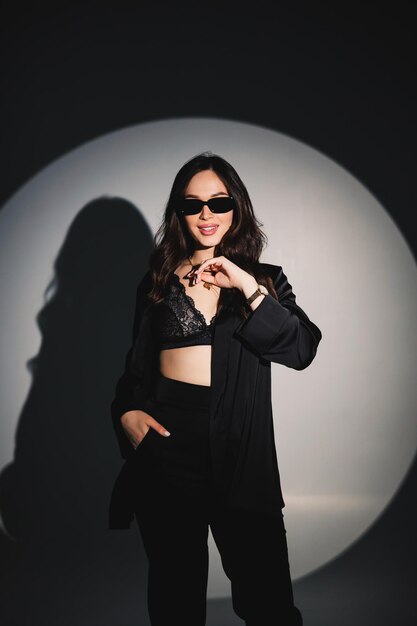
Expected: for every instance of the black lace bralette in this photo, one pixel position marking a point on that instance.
(177, 322)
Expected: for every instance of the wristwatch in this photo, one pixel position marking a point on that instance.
(260, 291)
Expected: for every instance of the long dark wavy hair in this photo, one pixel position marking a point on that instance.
(242, 243)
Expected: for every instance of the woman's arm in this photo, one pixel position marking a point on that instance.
(127, 395)
(280, 331)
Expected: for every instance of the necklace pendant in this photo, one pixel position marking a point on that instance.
(207, 285)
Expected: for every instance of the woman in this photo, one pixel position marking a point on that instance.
(192, 411)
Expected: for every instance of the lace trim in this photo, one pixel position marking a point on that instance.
(192, 303)
(178, 321)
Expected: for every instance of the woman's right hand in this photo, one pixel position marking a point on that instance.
(136, 424)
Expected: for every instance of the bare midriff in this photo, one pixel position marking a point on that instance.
(191, 364)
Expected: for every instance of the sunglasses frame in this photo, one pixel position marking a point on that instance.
(208, 202)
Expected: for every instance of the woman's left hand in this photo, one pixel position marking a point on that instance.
(222, 272)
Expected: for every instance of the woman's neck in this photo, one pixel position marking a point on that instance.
(200, 255)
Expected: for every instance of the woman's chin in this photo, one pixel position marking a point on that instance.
(208, 242)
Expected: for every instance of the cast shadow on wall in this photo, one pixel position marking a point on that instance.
(60, 564)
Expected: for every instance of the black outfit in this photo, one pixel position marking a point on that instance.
(219, 465)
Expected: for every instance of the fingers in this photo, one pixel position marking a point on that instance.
(215, 261)
(133, 441)
(136, 438)
(135, 426)
(207, 277)
(160, 429)
(207, 266)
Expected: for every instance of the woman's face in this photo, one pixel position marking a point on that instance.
(205, 185)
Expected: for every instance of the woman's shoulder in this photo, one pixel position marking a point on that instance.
(281, 283)
(145, 279)
(272, 270)
(144, 285)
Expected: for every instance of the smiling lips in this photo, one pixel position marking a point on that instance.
(209, 229)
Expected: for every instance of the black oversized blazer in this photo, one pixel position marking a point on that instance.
(242, 445)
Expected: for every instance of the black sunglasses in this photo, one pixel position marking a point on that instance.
(192, 206)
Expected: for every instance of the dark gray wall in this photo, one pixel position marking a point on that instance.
(340, 79)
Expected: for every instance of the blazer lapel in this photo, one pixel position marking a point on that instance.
(223, 331)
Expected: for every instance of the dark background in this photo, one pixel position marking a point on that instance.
(339, 77)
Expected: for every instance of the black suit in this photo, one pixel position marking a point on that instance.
(241, 422)
(249, 529)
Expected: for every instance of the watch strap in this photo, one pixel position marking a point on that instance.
(255, 294)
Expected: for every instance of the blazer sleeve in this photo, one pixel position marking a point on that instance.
(127, 395)
(280, 331)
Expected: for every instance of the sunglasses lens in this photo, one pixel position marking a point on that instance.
(192, 206)
(221, 205)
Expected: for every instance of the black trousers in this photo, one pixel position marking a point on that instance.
(174, 508)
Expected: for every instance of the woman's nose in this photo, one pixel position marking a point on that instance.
(205, 211)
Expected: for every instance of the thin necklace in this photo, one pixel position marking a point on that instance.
(206, 285)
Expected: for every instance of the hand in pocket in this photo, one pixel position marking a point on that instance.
(136, 425)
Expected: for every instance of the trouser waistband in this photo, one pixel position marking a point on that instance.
(181, 393)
